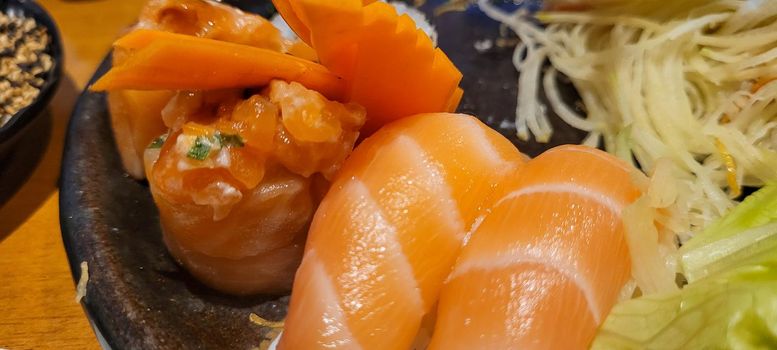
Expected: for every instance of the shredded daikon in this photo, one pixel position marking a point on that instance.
(653, 260)
(82, 281)
(259, 321)
(689, 83)
(653, 248)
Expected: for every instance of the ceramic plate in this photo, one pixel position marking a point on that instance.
(137, 297)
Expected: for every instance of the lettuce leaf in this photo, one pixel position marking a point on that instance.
(748, 234)
(733, 310)
(731, 299)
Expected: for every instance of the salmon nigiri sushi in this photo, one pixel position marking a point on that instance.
(237, 186)
(547, 264)
(388, 232)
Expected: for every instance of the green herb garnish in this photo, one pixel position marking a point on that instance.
(203, 145)
(200, 150)
(158, 142)
(230, 140)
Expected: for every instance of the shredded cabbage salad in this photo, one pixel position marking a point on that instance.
(731, 299)
(682, 89)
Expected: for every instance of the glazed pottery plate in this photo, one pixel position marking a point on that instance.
(137, 297)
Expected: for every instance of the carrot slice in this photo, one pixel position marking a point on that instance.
(302, 50)
(166, 61)
(289, 12)
(336, 39)
(761, 82)
(290, 16)
(453, 103)
(388, 65)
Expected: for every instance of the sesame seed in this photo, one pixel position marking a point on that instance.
(23, 63)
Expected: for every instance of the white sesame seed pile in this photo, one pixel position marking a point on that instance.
(23, 63)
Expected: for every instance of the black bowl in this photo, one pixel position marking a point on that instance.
(20, 123)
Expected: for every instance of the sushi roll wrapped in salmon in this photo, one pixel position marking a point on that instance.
(237, 186)
(238, 174)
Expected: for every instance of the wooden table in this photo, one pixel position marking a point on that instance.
(37, 307)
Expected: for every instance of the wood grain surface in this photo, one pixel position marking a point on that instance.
(37, 306)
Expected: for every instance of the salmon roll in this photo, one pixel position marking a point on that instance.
(237, 185)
